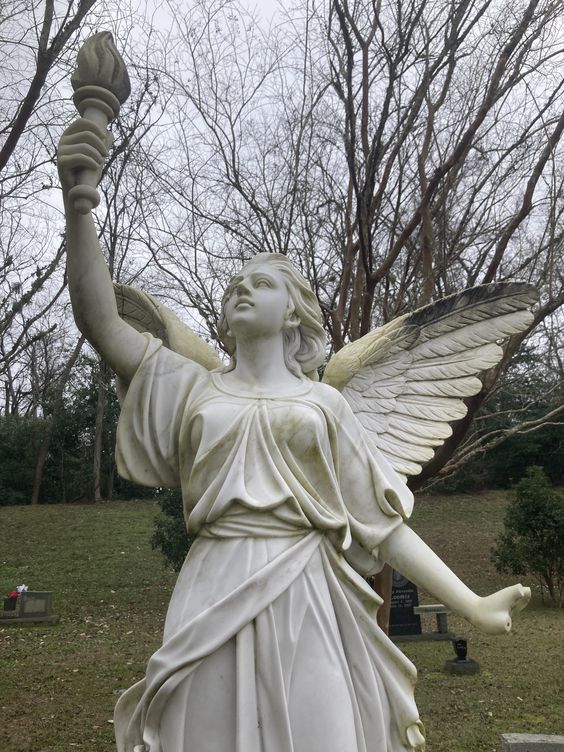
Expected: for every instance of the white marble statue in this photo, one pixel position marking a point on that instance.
(295, 489)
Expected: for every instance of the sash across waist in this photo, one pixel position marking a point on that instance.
(242, 522)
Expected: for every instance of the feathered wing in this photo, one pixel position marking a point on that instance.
(407, 380)
(144, 313)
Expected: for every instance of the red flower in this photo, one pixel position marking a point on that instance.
(14, 594)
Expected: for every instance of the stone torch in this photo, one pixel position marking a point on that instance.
(101, 85)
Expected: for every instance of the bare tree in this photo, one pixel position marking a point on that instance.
(39, 54)
(37, 43)
(398, 152)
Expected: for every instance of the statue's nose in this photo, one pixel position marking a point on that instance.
(242, 288)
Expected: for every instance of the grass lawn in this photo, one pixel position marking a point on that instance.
(58, 684)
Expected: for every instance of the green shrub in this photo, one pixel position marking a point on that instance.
(170, 534)
(532, 541)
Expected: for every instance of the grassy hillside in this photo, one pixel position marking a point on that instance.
(58, 684)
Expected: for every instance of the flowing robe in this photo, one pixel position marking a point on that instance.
(270, 642)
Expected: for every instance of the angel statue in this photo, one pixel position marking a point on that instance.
(295, 488)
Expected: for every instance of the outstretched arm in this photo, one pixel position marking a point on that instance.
(407, 553)
(91, 290)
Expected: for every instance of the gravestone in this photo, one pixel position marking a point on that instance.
(32, 607)
(35, 603)
(403, 620)
(531, 743)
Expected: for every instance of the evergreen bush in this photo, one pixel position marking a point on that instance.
(532, 541)
(170, 535)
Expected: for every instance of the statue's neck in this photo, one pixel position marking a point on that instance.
(260, 363)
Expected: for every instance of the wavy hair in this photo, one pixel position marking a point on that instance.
(304, 336)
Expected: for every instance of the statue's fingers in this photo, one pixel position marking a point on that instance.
(78, 162)
(91, 152)
(85, 137)
(85, 124)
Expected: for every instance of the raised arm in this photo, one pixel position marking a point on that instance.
(407, 553)
(83, 145)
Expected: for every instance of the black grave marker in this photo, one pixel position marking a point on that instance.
(404, 599)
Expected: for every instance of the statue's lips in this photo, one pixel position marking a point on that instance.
(244, 303)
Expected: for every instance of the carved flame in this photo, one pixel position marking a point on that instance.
(99, 64)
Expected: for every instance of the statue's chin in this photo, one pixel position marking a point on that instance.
(247, 323)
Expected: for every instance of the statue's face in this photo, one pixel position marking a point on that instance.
(258, 302)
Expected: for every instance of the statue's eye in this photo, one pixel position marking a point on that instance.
(262, 283)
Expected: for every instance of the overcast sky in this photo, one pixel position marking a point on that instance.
(266, 8)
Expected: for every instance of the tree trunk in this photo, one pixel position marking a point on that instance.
(382, 584)
(99, 430)
(40, 462)
(63, 479)
(110, 489)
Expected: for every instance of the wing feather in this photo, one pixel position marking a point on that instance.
(461, 387)
(406, 450)
(140, 310)
(415, 429)
(402, 466)
(407, 380)
(429, 407)
(146, 314)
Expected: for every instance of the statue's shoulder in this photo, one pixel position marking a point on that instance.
(329, 397)
(166, 362)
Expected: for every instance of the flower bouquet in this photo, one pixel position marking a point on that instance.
(11, 600)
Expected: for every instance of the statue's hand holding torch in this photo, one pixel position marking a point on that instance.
(101, 85)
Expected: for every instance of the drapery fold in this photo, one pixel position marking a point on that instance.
(206, 632)
(299, 626)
